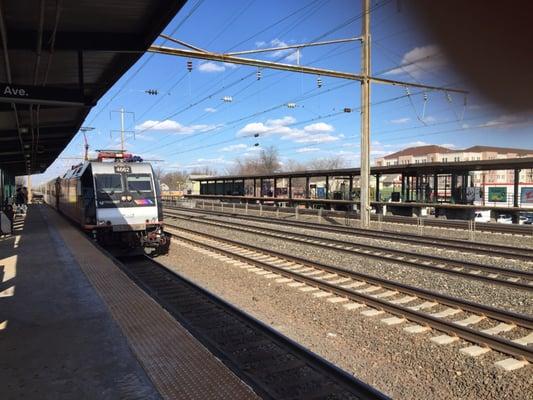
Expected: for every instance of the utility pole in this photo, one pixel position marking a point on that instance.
(122, 129)
(365, 117)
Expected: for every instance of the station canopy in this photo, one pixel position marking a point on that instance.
(58, 59)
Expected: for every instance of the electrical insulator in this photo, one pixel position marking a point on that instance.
(227, 99)
(407, 91)
(425, 97)
(258, 75)
(319, 82)
(257, 144)
(291, 105)
(448, 97)
(347, 110)
(189, 66)
(152, 92)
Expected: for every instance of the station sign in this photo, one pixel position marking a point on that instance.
(13, 93)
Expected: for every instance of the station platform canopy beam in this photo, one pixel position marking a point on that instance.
(58, 58)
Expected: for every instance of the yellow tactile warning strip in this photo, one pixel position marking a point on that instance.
(179, 366)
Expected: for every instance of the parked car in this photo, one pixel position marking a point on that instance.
(505, 219)
(526, 219)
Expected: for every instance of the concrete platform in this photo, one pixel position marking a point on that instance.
(69, 330)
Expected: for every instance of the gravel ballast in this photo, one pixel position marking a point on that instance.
(385, 243)
(401, 365)
(525, 241)
(480, 292)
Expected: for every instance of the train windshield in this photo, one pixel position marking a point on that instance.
(108, 183)
(139, 182)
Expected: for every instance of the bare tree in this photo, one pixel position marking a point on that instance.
(327, 163)
(206, 170)
(293, 166)
(266, 162)
(269, 160)
(175, 180)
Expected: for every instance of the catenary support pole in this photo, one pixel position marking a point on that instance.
(365, 117)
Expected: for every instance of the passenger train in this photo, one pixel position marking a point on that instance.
(116, 198)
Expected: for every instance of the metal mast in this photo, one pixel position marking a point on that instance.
(122, 129)
(365, 117)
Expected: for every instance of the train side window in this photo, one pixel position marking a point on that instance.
(139, 182)
(109, 183)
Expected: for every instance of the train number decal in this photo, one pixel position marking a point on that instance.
(122, 169)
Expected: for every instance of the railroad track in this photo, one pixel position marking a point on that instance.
(501, 276)
(513, 229)
(494, 250)
(403, 302)
(273, 365)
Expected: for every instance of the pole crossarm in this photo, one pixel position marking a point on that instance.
(416, 85)
(294, 46)
(185, 44)
(227, 58)
(252, 62)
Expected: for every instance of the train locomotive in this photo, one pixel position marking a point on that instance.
(116, 199)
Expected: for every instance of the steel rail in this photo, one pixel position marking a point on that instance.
(335, 243)
(457, 244)
(147, 272)
(495, 313)
(480, 338)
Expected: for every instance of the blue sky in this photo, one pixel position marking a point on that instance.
(188, 124)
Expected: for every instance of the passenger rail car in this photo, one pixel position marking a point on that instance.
(119, 203)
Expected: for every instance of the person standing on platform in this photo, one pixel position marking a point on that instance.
(20, 200)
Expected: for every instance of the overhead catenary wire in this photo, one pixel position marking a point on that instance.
(215, 93)
(301, 122)
(333, 30)
(145, 62)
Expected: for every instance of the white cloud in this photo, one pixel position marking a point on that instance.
(319, 127)
(420, 60)
(211, 66)
(318, 138)
(210, 109)
(509, 120)
(169, 125)
(234, 147)
(230, 65)
(400, 120)
(307, 149)
(271, 126)
(290, 55)
(319, 132)
(208, 162)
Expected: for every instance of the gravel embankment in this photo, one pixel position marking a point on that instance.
(495, 295)
(456, 255)
(401, 365)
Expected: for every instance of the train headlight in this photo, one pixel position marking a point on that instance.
(129, 198)
(123, 198)
(101, 222)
